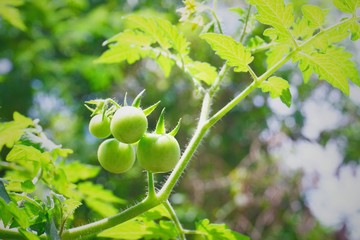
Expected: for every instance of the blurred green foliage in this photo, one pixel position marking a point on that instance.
(47, 71)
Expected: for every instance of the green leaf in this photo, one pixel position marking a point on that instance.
(122, 52)
(76, 171)
(69, 207)
(286, 97)
(10, 132)
(302, 30)
(202, 71)
(347, 6)
(355, 31)
(144, 227)
(275, 14)
(27, 186)
(276, 53)
(161, 31)
(157, 212)
(3, 193)
(218, 231)
(28, 235)
(27, 153)
(19, 214)
(11, 14)
(99, 199)
(277, 87)
(333, 66)
(165, 63)
(228, 49)
(132, 229)
(314, 15)
(5, 215)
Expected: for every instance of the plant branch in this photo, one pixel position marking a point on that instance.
(245, 24)
(175, 219)
(151, 188)
(98, 226)
(203, 126)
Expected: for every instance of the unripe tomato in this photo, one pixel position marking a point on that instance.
(128, 124)
(158, 153)
(99, 127)
(115, 156)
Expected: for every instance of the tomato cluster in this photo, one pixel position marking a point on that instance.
(157, 152)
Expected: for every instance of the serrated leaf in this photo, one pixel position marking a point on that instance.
(347, 6)
(27, 153)
(302, 30)
(97, 191)
(161, 31)
(99, 199)
(69, 207)
(276, 53)
(277, 87)
(76, 171)
(314, 15)
(202, 71)
(228, 49)
(329, 37)
(10, 132)
(122, 52)
(218, 231)
(333, 66)
(274, 13)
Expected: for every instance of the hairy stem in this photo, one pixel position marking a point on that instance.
(101, 225)
(151, 188)
(175, 219)
(245, 24)
(203, 126)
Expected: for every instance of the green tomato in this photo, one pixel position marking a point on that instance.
(116, 157)
(158, 153)
(99, 127)
(128, 124)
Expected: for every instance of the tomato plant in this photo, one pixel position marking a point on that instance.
(115, 156)
(99, 126)
(158, 153)
(128, 124)
(34, 163)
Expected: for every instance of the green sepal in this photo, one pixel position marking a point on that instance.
(137, 100)
(125, 99)
(176, 129)
(160, 125)
(99, 103)
(150, 109)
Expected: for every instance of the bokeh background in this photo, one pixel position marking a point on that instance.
(268, 171)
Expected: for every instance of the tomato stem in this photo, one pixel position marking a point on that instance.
(175, 219)
(151, 187)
